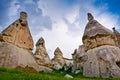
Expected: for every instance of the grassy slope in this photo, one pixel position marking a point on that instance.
(12, 74)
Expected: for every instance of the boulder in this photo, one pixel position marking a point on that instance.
(41, 54)
(68, 76)
(18, 33)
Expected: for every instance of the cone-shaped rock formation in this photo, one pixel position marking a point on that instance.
(18, 33)
(58, 60)
(41, 54)
(16, 44)
(96, 34)
(103, 57)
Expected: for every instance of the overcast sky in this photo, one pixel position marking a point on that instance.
(60, 22)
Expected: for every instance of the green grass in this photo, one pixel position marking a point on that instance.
(13, 74)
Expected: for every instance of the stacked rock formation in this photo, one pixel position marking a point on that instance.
(103, 57)
(41, 54)
(16, 44)
(96, 34)
(58, 60)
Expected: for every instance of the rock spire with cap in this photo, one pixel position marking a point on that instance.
(58, 52)
(18, 33)
(96, 34)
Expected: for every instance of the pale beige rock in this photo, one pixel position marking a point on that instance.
(18, 33)
(102, 61)
(102, 55)
(96, 34)
(41, 54)
(12, 56)
(116, 37)
(58, 61)
(68, 64)
(79, 58)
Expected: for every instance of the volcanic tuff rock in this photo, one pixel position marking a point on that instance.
(41, 54)
(12, 56)
(79, 58)
(103, 57)
(16, 44)
(58, 60)
(116, 37)
(96, 34)
(18, 33)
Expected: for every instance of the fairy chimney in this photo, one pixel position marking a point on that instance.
(41, 54)
(103, 57)
(18, 33)
(96, 34)
(58, 61)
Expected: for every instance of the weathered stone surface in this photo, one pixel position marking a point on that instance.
(58, 60)
(99, 54)
(96, 34)
(116, 37)
(18, 33)
(12, 56)
(68, 65)
(78, 58)
(102, 61)
(41, 54)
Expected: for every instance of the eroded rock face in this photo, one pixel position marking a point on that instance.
(12, 56)
(103, 57)
(15, 46)
(18, 33)
(116, 37)
(79, 58)
(41, 54)
(58, 60)
(102, 62)
(96, 34)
